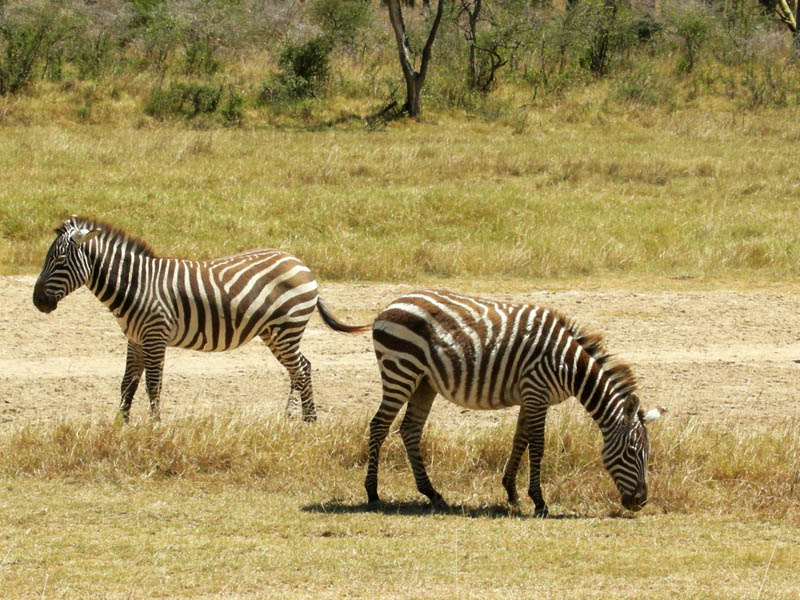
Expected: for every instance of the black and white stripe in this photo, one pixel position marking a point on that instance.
(489, 355)
(211, 306)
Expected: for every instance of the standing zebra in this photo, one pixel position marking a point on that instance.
(483, 354)
(213, 305)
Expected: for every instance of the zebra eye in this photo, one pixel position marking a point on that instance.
(60, 259)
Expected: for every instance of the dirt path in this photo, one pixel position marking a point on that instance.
(726, 355)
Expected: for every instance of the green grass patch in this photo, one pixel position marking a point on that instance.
(689, 193)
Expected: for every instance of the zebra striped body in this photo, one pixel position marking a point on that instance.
(209, 306)
(488, 355)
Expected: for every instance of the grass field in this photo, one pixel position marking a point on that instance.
(238, 506)
(579, 191)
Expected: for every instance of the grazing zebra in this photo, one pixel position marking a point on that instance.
(487, 355)
(213, 305)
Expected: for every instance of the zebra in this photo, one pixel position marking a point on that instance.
(484, 354)
(210, 306)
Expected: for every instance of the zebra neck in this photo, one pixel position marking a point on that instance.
(116, 270)
(600, 395)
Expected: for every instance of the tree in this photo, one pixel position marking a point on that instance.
(414, 78)
(787, 12)
(492, 47)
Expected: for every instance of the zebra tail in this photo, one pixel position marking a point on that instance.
(335, 324)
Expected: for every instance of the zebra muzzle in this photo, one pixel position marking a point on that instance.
(637, 500)
(42, 301)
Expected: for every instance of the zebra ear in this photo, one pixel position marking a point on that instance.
(79, 236)
(630, 409)
(654, 414)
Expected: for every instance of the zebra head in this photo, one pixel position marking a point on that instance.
(625, 452)
(66, 265)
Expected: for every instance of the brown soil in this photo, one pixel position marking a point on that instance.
(724, 355)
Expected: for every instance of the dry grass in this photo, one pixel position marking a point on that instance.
(695, 468)
(242, 506)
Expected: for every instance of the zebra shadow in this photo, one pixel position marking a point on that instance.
(423, 508)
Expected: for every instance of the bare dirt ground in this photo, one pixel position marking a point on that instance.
(723, 355)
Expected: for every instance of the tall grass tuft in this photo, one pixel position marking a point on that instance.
(694, 467)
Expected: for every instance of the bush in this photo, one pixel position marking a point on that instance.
(644, 86)
(341, 20)
(304, 71)
(200, 59)
(553, 43)
(27, 36)
(608, 30)
(91, 55)
(692, 24)
(306, 66)
(232, 110)
(155, 32)
(183, 99)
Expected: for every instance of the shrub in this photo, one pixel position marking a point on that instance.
(644, 86)
(306, 66)
(183, 99)
(155, 32)
(27, 36)
(691, 23)
(91, 55)
(341, 20)
(553, 43)
(608, 30)
(200, 59)
(232, 110)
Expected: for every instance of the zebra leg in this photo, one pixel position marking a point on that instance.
(301, 384)
(536, 415)
(378, 430)
(154, 368)
(395, 395)
(134, 366)
(518, 447)
(299, 369)
(419, 406)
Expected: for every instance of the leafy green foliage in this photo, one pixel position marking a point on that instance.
(342, 20)
(340, 52)
(232, 110)
(183, 99)
(305, 69)
(27, 36)
(692, 24)
(306, 66)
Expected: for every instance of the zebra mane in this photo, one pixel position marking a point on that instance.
(594, 344)
(110, 233)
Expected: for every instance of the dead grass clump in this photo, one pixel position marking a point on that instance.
(694, 468)
(701, 467)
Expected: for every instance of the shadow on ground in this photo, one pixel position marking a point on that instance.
(415, 508)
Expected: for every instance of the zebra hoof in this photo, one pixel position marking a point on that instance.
(373, 500)
(438, 503)
(515, 507)
(541, 513)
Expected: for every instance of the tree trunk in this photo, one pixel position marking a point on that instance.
(472, 17)
(414, 79)
(787, 12)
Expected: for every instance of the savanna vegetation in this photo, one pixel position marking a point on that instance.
(595, 139)
(241, 506)
(668, 150)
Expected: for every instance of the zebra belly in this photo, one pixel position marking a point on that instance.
(207, 341)
(479, 401)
